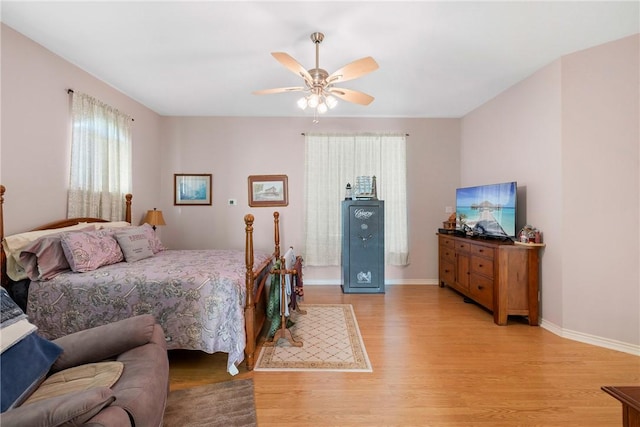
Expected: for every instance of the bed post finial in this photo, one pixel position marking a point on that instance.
(276, 233)
(127, 212)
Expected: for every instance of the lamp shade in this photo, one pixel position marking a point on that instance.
(154, 218)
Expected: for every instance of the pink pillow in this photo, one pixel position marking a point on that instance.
(44, 258)
(88, 250)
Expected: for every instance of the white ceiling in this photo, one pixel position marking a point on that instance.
(204, 58)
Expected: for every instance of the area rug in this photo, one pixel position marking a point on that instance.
(331, 342)
(228, 404)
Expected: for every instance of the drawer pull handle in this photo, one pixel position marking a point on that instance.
(480, 287)
(480, 250)
(480, 265)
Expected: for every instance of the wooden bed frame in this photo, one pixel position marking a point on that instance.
(255, 308)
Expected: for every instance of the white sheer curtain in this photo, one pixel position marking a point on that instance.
(332, 161)
(100, 160)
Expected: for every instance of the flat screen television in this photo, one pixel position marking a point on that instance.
(488, 210)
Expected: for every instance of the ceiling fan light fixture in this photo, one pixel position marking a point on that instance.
(319, 86)
(313, 100)
(302, 103)
(331, 101)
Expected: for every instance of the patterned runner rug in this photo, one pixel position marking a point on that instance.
(331, 342)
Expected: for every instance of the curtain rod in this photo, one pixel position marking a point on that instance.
(304, 134)
(71, 91)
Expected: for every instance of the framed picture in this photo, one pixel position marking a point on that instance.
(268, 190)
(192, 189)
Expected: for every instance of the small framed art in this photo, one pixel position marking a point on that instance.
(268, 190)
(192, 188)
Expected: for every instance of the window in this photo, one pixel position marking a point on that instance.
(332, 161)
(100, 160)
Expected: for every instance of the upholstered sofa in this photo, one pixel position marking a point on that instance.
(134, 346)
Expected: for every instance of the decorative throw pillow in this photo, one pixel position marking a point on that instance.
(88, 250)
(156, 244)
(134, 243)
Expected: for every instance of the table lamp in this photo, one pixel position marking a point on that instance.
(154, 218)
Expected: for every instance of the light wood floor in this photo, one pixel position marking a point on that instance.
(437, 361)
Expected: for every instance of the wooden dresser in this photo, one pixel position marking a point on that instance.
(501, 276)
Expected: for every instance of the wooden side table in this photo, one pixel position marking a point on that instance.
(630, 398)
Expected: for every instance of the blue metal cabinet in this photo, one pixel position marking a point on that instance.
(363, 246)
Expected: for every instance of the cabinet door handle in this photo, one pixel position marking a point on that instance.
(480, 287)
(480, 265)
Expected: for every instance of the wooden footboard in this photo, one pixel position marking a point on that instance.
(255, 308)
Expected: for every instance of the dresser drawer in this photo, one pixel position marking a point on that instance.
(481, 290)
(462, 246)
(481, 265)
(447, 272)
(482, 251)
(447, 242)
(447, 254)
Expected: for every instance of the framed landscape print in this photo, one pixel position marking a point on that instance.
(192, 189)
(268, 190)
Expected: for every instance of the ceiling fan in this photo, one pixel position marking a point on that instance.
(319, 89)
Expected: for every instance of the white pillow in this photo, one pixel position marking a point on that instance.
(112, 224)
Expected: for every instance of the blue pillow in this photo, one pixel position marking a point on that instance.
(25, 364)
(23, 367)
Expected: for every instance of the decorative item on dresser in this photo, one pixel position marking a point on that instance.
(209, 300)
(363, 246)
(499, 275)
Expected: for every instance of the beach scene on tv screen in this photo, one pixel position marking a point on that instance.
(488, 209)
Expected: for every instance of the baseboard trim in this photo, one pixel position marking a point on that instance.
(591, 339)
(425, 282)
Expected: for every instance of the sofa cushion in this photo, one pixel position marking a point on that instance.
(78, 378)
(72, 409)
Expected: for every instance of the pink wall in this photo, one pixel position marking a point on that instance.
(570, 135)
(35, 134)
(600, 175)
(517, 137)
(234, 148)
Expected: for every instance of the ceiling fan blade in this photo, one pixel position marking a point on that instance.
(278, 90)
(353, 70)
(351, 95)
(293, 65)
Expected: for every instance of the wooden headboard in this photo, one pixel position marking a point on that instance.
(4, 279)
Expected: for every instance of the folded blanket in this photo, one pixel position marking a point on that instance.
(14, 333)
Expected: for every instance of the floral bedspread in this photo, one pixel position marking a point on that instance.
(198, 297)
